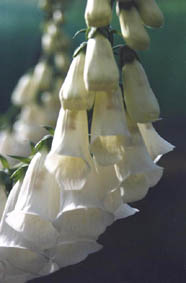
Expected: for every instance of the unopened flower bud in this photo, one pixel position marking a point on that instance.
(98, 13)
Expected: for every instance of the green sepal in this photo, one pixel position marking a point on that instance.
(19, 173)
(4, 162)
(80, 48)
(25, 160)
(44, 143)
(49, 129)
(79, 31)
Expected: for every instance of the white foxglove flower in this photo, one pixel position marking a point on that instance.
(155, 144)
(68, 156)
(134, 188)
(136, 160)
(73, 94)
(98, 13)
(132, 28)
(13, 249)
(83, 214)
(100, 72)
(10, 144)
(109, 130)
(42, 76)
(150, 13)
(37, 205)
(141, 102)
(24, 91)
(62, 62)
(50, 107)
(68, 253)
(3, 199)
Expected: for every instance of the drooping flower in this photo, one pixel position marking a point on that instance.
(132, 27)
(30, 218)
(109, 132)
(98, 13)
(141, 102)
(137, 164)
(19, 253)
(155, 144)
(100, 77)
(150, 13)
(73, 94)
(68, 156)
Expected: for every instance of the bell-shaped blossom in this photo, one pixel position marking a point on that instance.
(132, 28)
(20, 253)
(3, 199)
(51, 107)
(113, 202)
(68, 253)
(10, 144)
(109, 130)
(155, 144)
(141, 102)
(83, 214)
(150, 13)
(136, 160)
(98, 13)
(73, 94)
(24, 91)
(134, 188)
(100, 72)
(30, 123)
(42, 76)
(62, 61)
(68, 156)
(37, 205)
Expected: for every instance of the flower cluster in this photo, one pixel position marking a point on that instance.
(73, 192)
(36, 93)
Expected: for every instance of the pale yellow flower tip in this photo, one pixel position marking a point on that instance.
(101, 71)
(155, 144)
(141, 102)
(150, 13)
(132, 28)
(68, 158)
(73, 94)
(68, 253)
(98, 13)
(109, 132)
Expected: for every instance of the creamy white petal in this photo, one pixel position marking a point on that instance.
(73, 94)
(18, 252)
(136, 159)
(109, 132)
(3, 199)
(24, 91)
(134, 188)
(68, 156)
(155, 144)
(125, 211)
(37, 205)
(69, 253)
(104, 76)
(141, 102)
(42, 76)
(150, 13)
(98, 13)
(132, 28)
(113, 200)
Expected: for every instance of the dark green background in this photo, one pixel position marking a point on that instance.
(151, 246)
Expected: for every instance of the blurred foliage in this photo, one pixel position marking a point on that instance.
(165, 61)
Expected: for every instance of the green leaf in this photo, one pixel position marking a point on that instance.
(25, 160)
(45, 142)
(49, 129)
(32, 146)
(4, 161)
(19, 173)
(79, 31)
